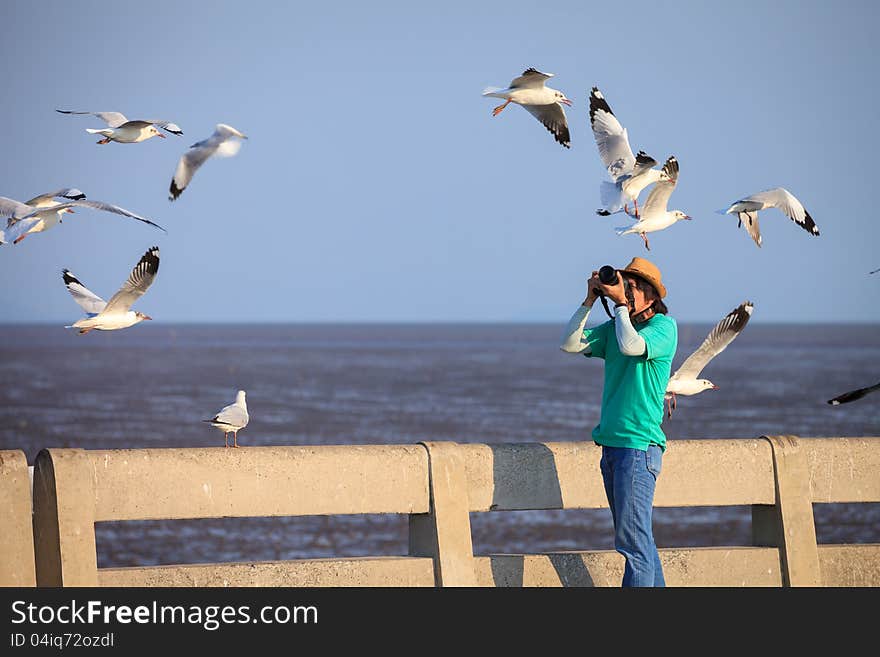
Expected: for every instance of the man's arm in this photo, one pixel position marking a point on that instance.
(628, 339)
(573, 339)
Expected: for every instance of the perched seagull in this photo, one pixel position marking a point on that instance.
(747, 211)
(121, 130)
(852, 395)
(630, 174)
(232, 419)
(685, 381)
(114, 314)
(225, 142)
(654, 215)
(542, 102)
(24, 219)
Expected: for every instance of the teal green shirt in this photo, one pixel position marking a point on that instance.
(632, 397)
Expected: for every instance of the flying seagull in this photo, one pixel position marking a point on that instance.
(232, 418)
(852, 395)
(13, 210)
(114, 314)
(630, 174)
(123, 131)
(684, 381)
(24, 219)
(654, 215)
(225, 142)
(746, 209)
(542, 102)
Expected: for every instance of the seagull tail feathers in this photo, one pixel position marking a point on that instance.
(100, 131)
(623, 230)
(490, 91)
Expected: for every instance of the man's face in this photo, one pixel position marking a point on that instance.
(640, 301)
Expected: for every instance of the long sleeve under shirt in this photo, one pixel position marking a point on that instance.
(638, 360)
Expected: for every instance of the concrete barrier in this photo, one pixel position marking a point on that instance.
(16, 535)
(439, 485)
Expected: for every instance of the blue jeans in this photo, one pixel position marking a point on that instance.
(630, 476)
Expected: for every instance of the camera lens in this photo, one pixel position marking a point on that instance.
(608, 275)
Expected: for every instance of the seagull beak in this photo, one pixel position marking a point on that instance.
(565, 101)
(70, 210)
(688, 217)
(161, 135)
(714, 387)
(147, 317)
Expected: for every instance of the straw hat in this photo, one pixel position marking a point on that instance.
(647, 270)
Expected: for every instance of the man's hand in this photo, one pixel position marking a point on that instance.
(616, 292)
(592, 285)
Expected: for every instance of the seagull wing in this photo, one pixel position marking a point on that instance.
(232, 415)
(138, 282)
(13, 210)
(852, 395)
(611, 138)
(112, 119)
(106, 207)
(49, 197)
(87, 300)
(658, 198)
(173, 128)
(789, 205)
(531, 77)
(717, 340)
(190, 162)
(749, 220)
(553, 118)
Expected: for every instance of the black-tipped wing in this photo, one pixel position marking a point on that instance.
(87, 300)
(138, 282)
(531, 77)
(852, 395)
(786, 202)
(611, 138)
(190, 162)
(658, 198)
(552, 116)
(719, 337)
(70, 193)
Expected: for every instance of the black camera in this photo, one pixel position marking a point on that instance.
(608, 275)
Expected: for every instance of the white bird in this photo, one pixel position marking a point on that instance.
(121, 130)
(232, 418)
(43, 212)
(225, 142)
(542, 102)
(654, 215)
(747, 209)
(114, 314)
(630, 174)
(684, 381)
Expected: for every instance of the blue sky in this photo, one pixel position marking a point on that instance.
(377, 186)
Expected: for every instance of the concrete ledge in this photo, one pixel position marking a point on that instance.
(729, 567)
(850, 565)
(360, 571)
(259, 481)
(843, 469)
(17, 566)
